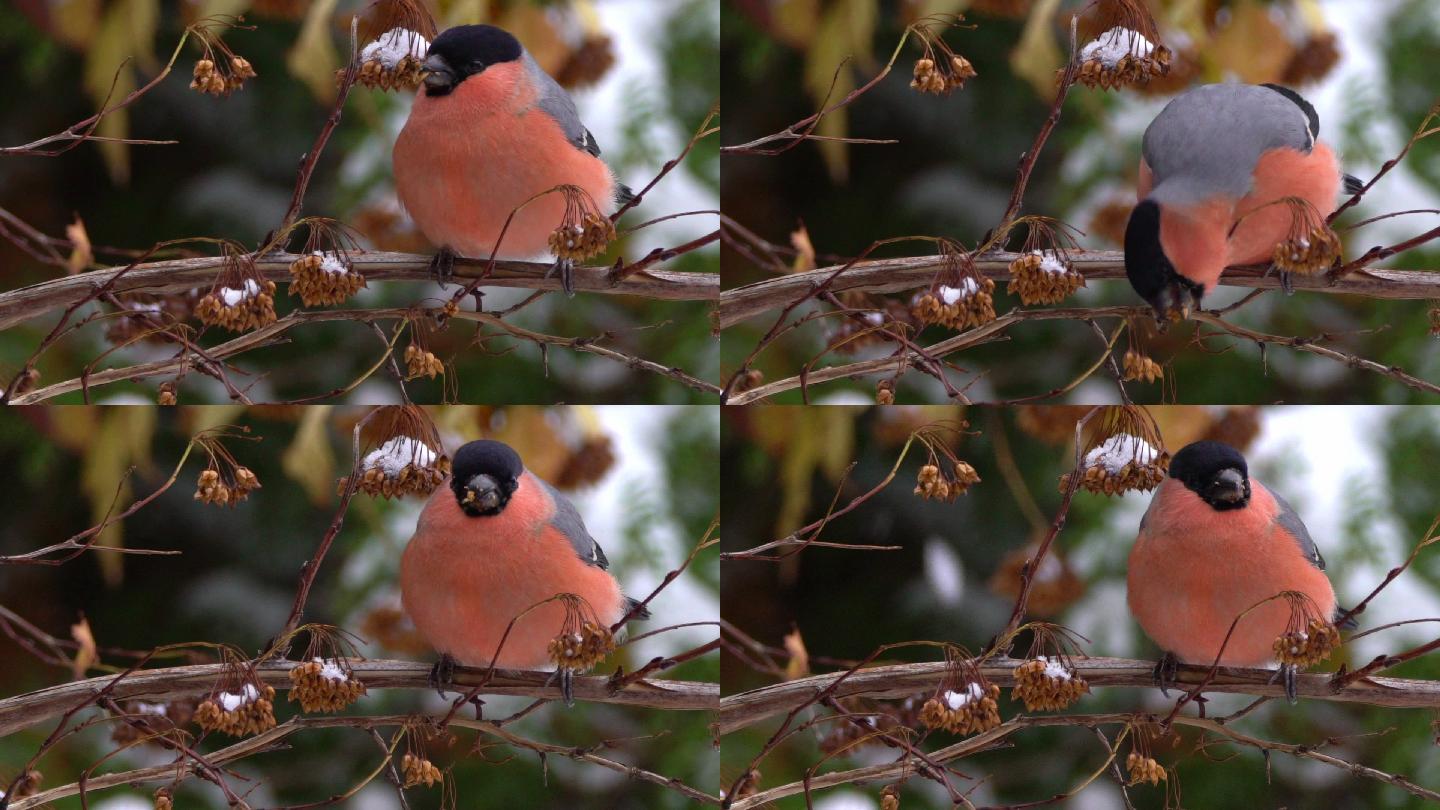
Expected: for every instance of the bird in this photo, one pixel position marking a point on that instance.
(488, 131)
(495, 542)
(1214, 544)
(1215, 165)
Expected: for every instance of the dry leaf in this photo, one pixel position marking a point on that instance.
(314, 59)
(805, 251)
(310, 459)
(81, 255)
(799, 664)
(86, 655)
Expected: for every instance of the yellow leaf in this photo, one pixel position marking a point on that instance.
(86, 655)
(314, 59)
(310, 458)
(804, 250)
(75, 22)
(106, 68)
(1037, 56)
(829, 77)
(81, 255)
(1251, 46)
(799, 664)
(122, 438)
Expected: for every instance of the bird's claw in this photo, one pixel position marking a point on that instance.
(1165, 672)
(442, 266)
(443, 673)
(567, 685)
(566, 268)
(1289, 675)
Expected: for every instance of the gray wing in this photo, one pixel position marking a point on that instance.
(567, 520)
(556, 103)
(1290, 521)
(1207, 140)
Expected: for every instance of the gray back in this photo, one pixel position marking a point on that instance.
(556, 103)
(1290, 522)
(567, 520)
(1207, 140)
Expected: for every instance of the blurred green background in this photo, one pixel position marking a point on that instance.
(646, 480)
(643, 75)
(1363, 480)
(1362, 63)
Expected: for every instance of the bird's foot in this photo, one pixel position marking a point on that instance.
(443, 673)
(1289, 675)
(1285, 283)
(479, 707)
(1165, 672)
(567, 685)
(1200, 701)
(442, 265)
(566, 268)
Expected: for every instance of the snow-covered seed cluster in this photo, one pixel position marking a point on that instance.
(403, 465)
(421, 363)
(145, 720)
(143, 311)
(1042, 277)
(394, 61)
(580, 651)
(870, 718)
(1138, 366)
(943, 77)
(885, 392)
(323, 279)
(1047, 685)
(1312, 253)
(1121, 463)
(1308, 647)
(418, 771)
(969, 304)
(239, 309)
(971, 710)
(1144, 769)
(239, 714)
(1121, 57)
(322, 685)
(580, 240)
(933, 483)
(215, 80)
(210, 488)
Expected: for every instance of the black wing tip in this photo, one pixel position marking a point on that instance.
(1305, 107)
(1349, 623)
(636, 615)
(591, 145)
(1353, 184)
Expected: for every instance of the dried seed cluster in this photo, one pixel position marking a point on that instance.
(1313, 60)
(933, 483)
(240, 714)
(1047, 685)
(418, 770)
(166, 395)
(250, 306)
(966, 306)
(323, 279)
(214, 80)
(890, 798)
(885, 392)
(401, 466)
(322, 685)
(1121, 463)
(163, 799)
(581, 240)
(1121, 57)
(1144, 769)
(587, 63)
(970, 711)
(581, 651)
(1138, 366)
(1308, 647)
(146, 720)
(942, 78)
(587, 463)
(211, 488)
(421, 363)
(394, 61)
(1435, 321)
(1043, 278)
(27, 785)
(871, 717)
(1316, 251)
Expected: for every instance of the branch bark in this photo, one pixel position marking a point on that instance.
(23, 711)
(896, 275)
(748, 708)
(27, 303)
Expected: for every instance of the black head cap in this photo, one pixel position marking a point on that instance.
(1214, 471)
(483, 476)
(465, 50)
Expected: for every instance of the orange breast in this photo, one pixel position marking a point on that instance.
(1282, 173)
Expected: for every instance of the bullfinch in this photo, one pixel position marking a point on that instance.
(492, 543)
(488, 131)
(1215, 162)
(1214, 543)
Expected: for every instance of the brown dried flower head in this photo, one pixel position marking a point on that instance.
(1121, 57)
(936, 482)
(1309, 638)
(394, 61)
(580, 649)
(219, 72)
(164, 800)
(27, 785)
(1435, 321)
(1047, 684)
(1121, 463)
(211, 488)
(970, 709)
(323, 685)
(421, 362)
(885, 392)
(1314, 249)
(324, 278)
(1043, 277)
(890, 798)
(940, 70)
(1144, 769)
(144, 720)
(250, 710)
(588, 63)
(585, 231)
(419, 771)
(1313, 60)
(1139, 366)
(587, 463)
(249, 305)
(969, 304)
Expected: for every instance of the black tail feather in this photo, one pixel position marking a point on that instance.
(639, 615)
(1353, 184)
(1348, 624)
(623, 194)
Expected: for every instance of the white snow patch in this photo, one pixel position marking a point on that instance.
(394, 45)
(959, 700)
(875, 318)
(1113, 45)
(231, 296)
(1051, 263)
(332, 263)
(141, 707)
(248, 694)
(331, 671)
(944, 572)
(967, 288)
(1115, 452)
(1054, 669)
(392, 456)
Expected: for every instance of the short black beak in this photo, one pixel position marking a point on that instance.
(482, 494)
(1228, 486)
(439, 74)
